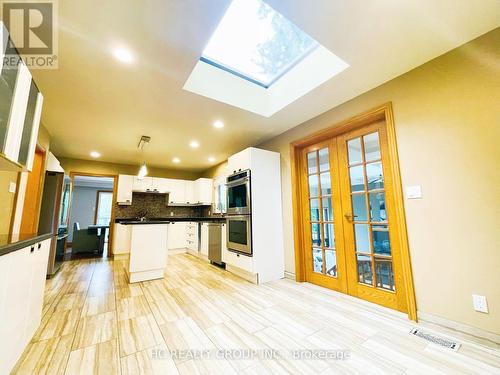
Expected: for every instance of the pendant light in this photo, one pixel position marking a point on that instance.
(143, 170)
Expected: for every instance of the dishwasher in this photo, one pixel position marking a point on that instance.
(215, 244)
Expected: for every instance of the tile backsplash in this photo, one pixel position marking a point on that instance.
(156, 206)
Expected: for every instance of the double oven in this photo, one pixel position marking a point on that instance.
(239, 213)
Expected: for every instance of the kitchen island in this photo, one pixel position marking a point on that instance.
(148, 250)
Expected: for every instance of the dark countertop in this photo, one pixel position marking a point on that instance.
(168, 220)
(10, 243)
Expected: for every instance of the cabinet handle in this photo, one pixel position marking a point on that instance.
(39, 246)
(32, 249)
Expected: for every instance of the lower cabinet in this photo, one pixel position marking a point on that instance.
(121, 239)
(23, 275)
(192, 236)
(177, 235)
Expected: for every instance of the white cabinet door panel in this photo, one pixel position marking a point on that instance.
(17, 113)
(124, 190)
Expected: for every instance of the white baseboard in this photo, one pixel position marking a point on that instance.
(177, 251)
(290, 275)
(465, 331)
(252, 277)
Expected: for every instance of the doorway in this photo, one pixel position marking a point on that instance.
(350, 234)
(91, 215)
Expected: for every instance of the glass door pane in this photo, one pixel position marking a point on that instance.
(369, 219)
(322, 247)
(104, 204)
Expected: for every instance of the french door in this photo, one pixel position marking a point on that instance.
(350, 222)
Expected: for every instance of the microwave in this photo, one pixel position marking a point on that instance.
(238, 196)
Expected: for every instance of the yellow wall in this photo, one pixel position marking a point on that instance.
(215, 171)
(6, 199)
(447, 116)
(90, 166)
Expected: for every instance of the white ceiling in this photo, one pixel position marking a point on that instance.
(93, 102)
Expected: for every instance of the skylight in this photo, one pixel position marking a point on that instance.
(254, 42)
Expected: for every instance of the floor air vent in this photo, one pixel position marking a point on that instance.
(445, 343)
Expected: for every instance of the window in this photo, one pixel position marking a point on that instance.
(256, 43)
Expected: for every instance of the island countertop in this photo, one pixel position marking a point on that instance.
(13, 242)
(169, 220)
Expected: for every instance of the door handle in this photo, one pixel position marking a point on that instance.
(350, 218)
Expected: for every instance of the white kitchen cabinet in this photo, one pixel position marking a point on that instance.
(17, 115)
(267, 260)
(124, 190)
(38, 266)
(148, 252)
(203, 190)
(161, 185)
(192, 236)
(190, 195)
(20, 113)
(177, 193)
(21, 304)
(121, 239)
(144, 184)
(177, 235)
(204, 239)
(239, 162)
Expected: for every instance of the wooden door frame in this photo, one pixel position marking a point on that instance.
(381, 113)
(40, 149)
(72, 175)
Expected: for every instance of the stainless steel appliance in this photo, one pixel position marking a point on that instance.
(239, 234)
(49, 219)
(238, 193)
(214, 243)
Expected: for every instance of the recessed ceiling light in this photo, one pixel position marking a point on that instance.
(194, 144)
(95, 154)
(176, 160)
(211, 159)
(123, 55)
(218, 124)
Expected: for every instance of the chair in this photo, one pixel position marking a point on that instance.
(85, 240)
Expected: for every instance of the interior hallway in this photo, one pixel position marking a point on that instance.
(94, 322)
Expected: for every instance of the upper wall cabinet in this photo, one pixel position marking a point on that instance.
(20, 112)
(124, 189)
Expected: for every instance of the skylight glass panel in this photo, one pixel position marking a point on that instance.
(256, 43)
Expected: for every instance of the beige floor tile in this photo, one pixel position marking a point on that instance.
(132, 307)
(153, 361)
(99, 304)
(138, 333)
(47, 357)
(95, 329)
(99, 359)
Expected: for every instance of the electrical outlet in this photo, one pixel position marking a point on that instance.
(480, 303)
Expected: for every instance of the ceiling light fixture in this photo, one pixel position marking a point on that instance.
(176, 160)
(211, 159)
(95, 154)
(123, 55)
(194, 144)
(218, 124)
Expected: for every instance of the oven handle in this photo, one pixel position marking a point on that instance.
(243, 181)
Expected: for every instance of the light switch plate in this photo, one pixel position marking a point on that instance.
(480, 303)
(12, 187)
(414, 192)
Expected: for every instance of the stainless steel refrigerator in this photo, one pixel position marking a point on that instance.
(50, 217)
